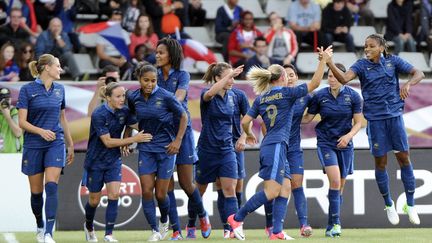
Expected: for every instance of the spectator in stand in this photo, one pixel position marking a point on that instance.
(13, 32)
(425, 33)
(29, 21)
(9, 70)
(227, 19)
(304, 17)
(133, 10)
(197, 15)
(107, 52)
(400, 25)
(261, 58)
(56, 42)
(167, 15)
(3, 14)
(106, 7)
(143, 34)
(24, 57)
(361, 12)
(240, 46)
(46, 10)
(282, 41)
(67, 15)
(336, 21)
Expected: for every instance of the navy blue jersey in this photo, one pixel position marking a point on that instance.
(105, 120)
(380, 86)
(156, 116)
(336, 114)
(295, 135)
(276, 109)
(217, 123)
(241, 106)
(177, 79)
(43, 110)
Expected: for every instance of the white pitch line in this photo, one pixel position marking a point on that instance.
(10, 238)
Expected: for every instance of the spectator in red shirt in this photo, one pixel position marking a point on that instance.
(143, 34)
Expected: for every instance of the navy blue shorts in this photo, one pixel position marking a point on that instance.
(240, 165)
(187, 153)
(215, 165)
(386, 135)
(273, 162)
(160, 163)
(95, 179)
(342, 158)
(35, 160)
(296, 162)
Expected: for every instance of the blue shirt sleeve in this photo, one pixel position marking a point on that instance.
(183, 80)
(313, 107)
(174, 105)
(357, 68)
(357, 103)
(23, 98)
(401, 65)
(100, 124)
(254, 110)
(244, 104)
(296, 92)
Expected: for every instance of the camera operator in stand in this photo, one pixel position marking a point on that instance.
(11, 139)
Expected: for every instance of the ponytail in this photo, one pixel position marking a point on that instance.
(215, 69)
(263, 77)
(107, 90)
(36, 67)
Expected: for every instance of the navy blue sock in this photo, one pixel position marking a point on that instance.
(51, 202)
(36, 201)
(89, 215)
(230, 206)
(251, 205)
(110, 216)
(164, 207)
(279, 213)
(220, 206)
(197, 203)
(192, 214)
(382, 180)
(333, 196)
(300, 205)
(239, 196)
(173, 215)
(408, 179)
(268, 209)
(149, 210)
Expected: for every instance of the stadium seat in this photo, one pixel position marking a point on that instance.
(85, 64)
(345, 58)
(219, 57)
(379, 8)
(88, 40)
(278, 6)
(254, 6)
(417, 59)
(307, 62)
(202, 35)
(211, 7)
(360, 33)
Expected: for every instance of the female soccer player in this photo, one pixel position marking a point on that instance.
(338, 106)
(275, 107)
(103, 159)
(169, 55)
(383, 109)
(157, 112)
(42, 116)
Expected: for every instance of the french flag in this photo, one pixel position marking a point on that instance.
(197, 51)
(112, 32)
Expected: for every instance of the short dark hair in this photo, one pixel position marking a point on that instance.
(285, 66)
(259, 38)
(110, 68)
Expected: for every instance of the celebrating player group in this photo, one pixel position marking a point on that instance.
(158, 112)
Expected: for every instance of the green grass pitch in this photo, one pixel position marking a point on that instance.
(348, 235)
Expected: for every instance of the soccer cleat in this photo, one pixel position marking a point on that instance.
(155, 236)
(268, 231)
(90, 235)
(205, 226)
(40, 237)
(190, 233)
(336, 231)
(237, 227)
(306, 231)
(328, 233)
(392, 215)
(109, 238)
(48, 239)
(412, 214)
(176, 236)
(163, 229)
(280, 236)
(228, 234)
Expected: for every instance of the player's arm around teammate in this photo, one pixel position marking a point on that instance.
(103, 158)
(41, 107)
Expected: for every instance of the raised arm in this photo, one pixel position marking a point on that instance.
(218, 86)
(324, 56)
(342, 77)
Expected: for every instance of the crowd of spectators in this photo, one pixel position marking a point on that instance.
(29, 28)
